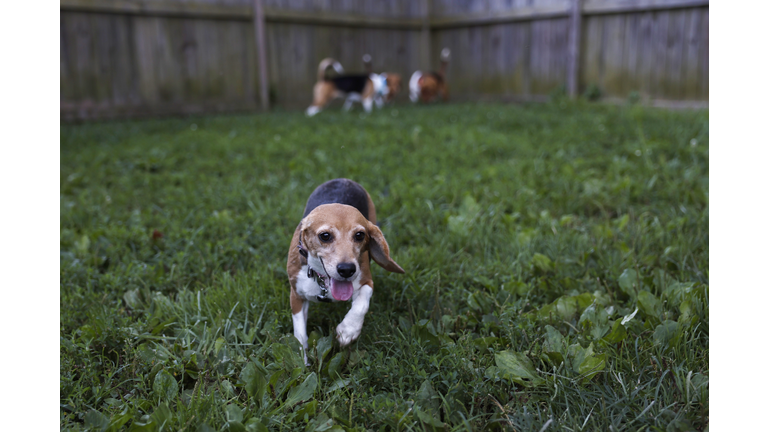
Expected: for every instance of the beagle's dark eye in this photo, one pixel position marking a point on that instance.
(359, 236)
(325, 237)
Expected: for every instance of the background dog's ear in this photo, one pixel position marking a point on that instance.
(380, 250)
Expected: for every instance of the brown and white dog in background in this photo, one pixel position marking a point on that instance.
(366, 88)
(425, 86)
(330, 253)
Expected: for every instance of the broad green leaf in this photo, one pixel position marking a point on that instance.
(320, 423)
(479, 301)
(483, 344)
(554, 340)
(336, 364)
(679, 425)
(518, 368)
(255, 425)
(577, 354)
(324, 346)
(665, 333)
(117, 422)
(493, 373)
(422, 333)
(338, 384)
(554, 357)
(95, 420)
(584, 361)
(592, 365)
(234, 413)
(428, 418)
(254, 381)
(132, 299)
(227, 388)
(144, 425)
(649, 304)
(83, 245)
(566, 307)
(595, 320)
(687, 314)
(153, 353)
(220, 342)
(617, 334)
(234, 426)
(628, 282)
(303, 391)
(676, 293)
(274, 379)
(288, 356)
(428, 398)
(542, 263)
(165, 386)
(306, 411)
(162, 417)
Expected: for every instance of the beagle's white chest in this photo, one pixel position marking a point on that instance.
(307, 287)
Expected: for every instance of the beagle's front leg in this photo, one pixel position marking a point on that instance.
(350, 328)
(301, 308)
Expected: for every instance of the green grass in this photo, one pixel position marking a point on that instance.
(528, 234)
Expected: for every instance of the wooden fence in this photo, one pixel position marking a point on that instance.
(125, 58)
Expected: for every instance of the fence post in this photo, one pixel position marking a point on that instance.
(426, 37)
(574, 45)
(261, 51)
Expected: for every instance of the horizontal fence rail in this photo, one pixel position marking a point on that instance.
(123, 58)
(244, 11)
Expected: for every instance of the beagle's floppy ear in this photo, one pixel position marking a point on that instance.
(380, 250)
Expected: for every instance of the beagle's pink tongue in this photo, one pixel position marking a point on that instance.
(341, 290)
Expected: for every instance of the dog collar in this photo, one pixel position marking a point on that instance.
(312, 274)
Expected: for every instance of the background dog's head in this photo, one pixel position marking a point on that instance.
(394, 82)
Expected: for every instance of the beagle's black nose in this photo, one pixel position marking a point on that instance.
(346, 269)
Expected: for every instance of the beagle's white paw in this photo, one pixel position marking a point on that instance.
(348, 332)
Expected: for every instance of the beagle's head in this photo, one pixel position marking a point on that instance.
(394, 81)
(336, 236)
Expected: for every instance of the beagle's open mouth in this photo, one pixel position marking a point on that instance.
(341, 290)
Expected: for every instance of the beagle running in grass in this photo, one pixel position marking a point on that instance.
(329, 257)
(425, 86)
(366, 88)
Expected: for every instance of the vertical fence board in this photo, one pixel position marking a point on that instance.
(676, 37)
(703, 92)
(691, 54)
(592, 45)
(661, 20)
(614, 45)
(562, 29)
(527, 48)
(144, 35)
(645, 54)
(631, 81)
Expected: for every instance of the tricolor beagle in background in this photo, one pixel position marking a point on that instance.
(366, 88)
(425, 86)
(329, 257)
